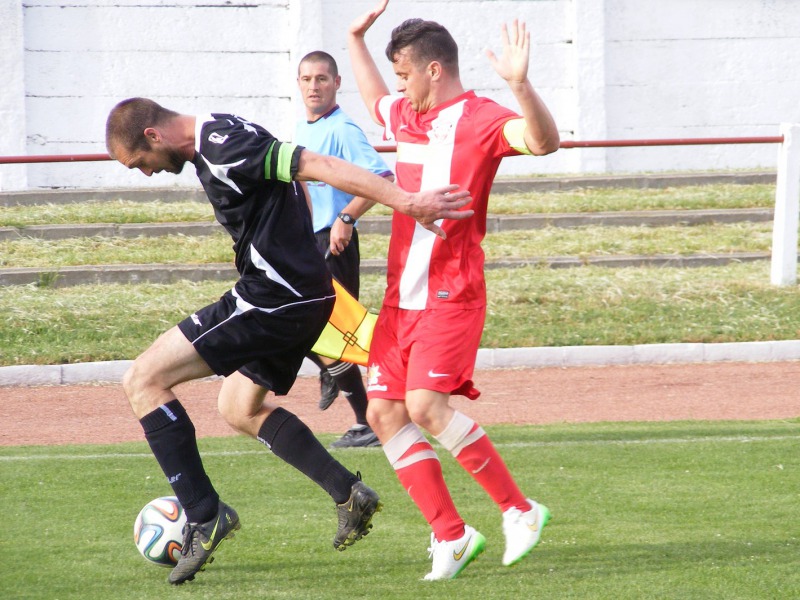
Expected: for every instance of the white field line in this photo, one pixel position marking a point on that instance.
(743, 439)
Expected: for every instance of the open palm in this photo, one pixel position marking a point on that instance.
(512, 65)
(360, 25)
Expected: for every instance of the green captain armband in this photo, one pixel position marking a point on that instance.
(514, 132)
(278, 164)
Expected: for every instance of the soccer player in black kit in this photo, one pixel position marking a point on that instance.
(257, 333)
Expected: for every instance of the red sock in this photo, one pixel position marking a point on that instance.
(474, 451)
(420, 473)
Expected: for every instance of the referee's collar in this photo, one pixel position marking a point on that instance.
(326, 115)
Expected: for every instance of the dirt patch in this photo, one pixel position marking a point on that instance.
(88, 414)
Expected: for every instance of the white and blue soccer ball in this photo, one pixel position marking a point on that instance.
(158, 531)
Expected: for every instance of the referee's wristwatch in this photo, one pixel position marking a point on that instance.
(346, 219)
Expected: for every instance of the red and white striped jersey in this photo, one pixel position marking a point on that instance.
(461, 142)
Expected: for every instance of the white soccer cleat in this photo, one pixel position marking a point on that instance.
(523, 531)
(450, 558)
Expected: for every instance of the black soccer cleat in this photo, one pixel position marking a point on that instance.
(358, 436)
(355, 515)
(199, 542)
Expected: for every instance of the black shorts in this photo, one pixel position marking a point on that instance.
(266, 346)
(345, 267)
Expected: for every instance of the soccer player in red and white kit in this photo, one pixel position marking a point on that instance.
(427, 336)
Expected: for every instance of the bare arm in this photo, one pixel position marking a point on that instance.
(368, 78)
(541, 134)
(426, 206)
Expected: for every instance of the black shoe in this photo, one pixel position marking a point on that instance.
(358, 436)
(355, 515)
(199, 542)
(328, 390)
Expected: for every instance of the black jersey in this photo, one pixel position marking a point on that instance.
(248, 177)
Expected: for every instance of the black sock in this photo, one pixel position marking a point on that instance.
(348, 377)
(292, 441)
(171, 435)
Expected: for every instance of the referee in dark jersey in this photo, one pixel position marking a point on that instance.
(256, 334)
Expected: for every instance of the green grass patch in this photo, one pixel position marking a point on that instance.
(692, 197)
(599, 306)
(171, 249)
(550, 241)
(580, 200)
(88, 323)
(527, 306)
(605, 241)
(123, 212)
(664, 510)
(120, 211)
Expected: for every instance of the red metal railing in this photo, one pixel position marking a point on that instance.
(48, 158)
(778, 139)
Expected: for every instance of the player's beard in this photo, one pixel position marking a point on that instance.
(175, 162)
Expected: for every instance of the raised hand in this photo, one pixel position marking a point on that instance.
(360, 25)
(513, 62)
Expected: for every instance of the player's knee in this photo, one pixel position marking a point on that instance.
(419, 414)
(226, 409)
(129, 380)
(232, 415)
(374, 418)
(385, 417)
(134, 384)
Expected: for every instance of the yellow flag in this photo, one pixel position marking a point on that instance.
(348, 334)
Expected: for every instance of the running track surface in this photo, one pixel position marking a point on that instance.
(89, 414)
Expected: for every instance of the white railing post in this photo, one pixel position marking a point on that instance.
(787, 205)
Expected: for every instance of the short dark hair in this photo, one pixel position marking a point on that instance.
(427, 41)
(320, 56)
(127, 121)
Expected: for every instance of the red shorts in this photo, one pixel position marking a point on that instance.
(424, 349)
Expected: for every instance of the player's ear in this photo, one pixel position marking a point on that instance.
(337, 82)
(152, 135)
(434, 70)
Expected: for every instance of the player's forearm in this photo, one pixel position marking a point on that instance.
(370, 83)
(541, 133)
(353, 180)
(426, 206)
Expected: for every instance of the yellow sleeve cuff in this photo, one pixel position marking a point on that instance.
(514, 132)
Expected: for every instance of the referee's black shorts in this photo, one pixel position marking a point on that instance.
(268, 346)
(344, 267)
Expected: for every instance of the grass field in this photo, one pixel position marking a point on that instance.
(661, 510)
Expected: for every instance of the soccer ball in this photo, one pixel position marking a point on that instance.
(157, 531)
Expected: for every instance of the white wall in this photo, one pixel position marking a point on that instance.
(12, 98)
(700, 69)
(608, 69)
